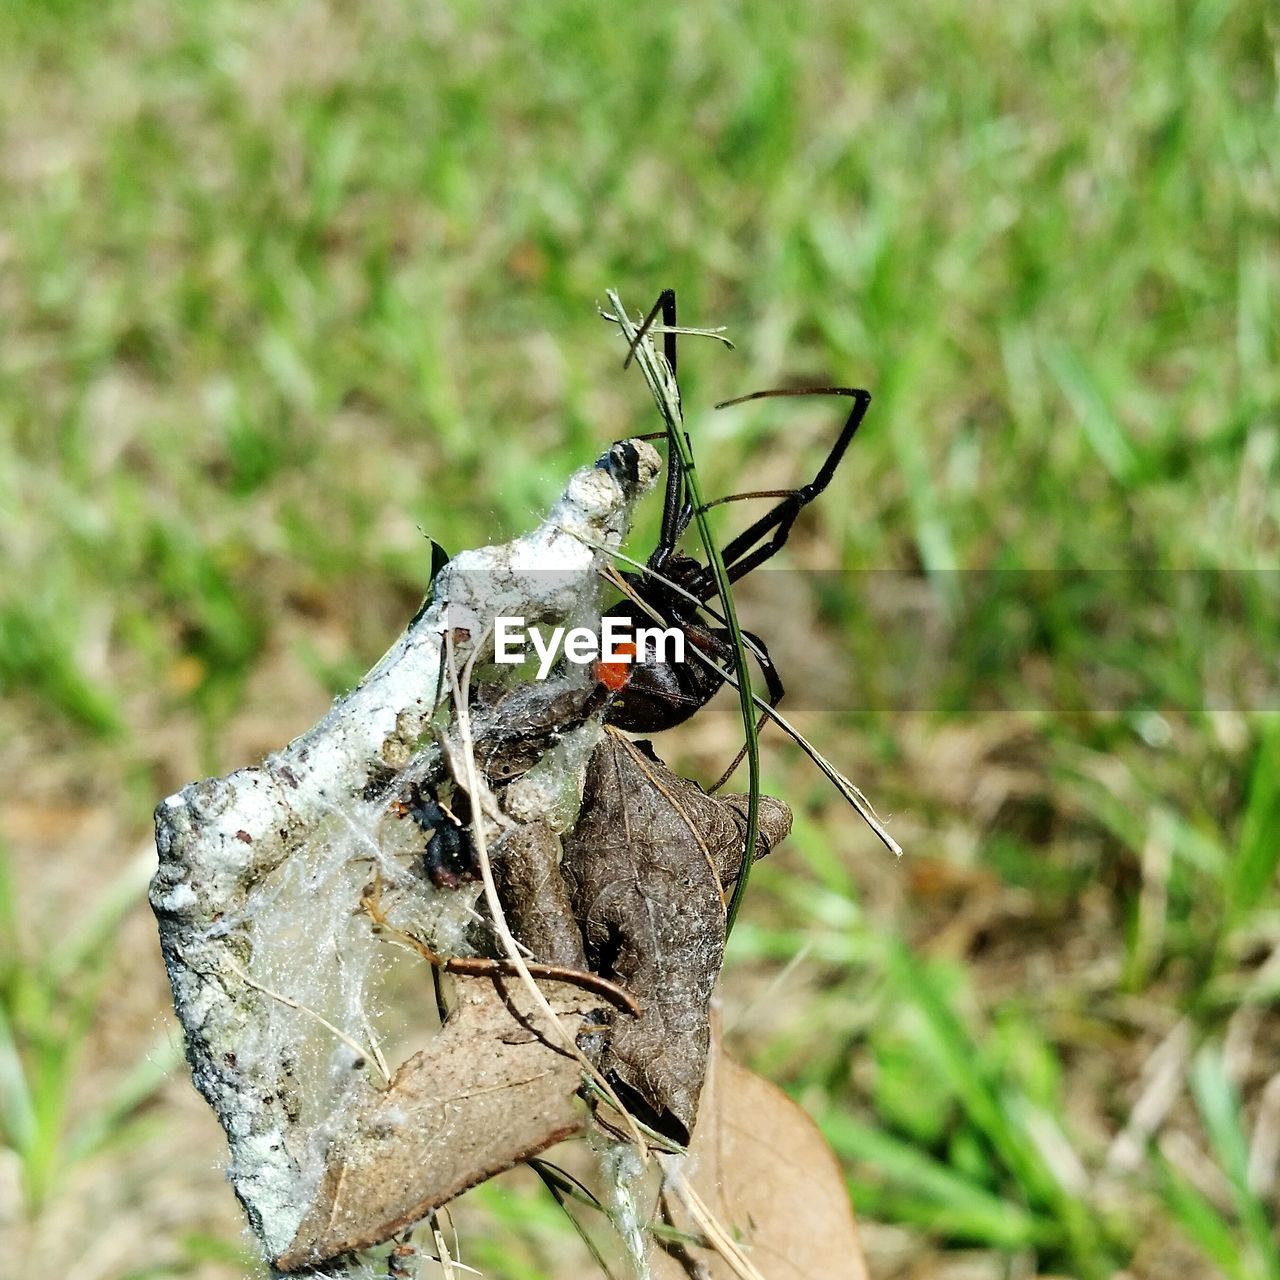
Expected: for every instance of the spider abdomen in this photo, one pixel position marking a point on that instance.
(654, 694)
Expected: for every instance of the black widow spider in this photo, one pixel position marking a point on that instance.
(651, 695)
(647, 696)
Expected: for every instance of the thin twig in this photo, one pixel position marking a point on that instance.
(449, 1265)
(1165, 1075)
(488, 967)
(374, 1044)
(649, 326)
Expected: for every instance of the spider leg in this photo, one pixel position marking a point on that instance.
(685, 515)
(750, 549)
(773, 682)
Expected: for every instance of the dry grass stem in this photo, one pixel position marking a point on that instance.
(710, 1226)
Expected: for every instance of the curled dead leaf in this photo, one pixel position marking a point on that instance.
(650, 867)
(489, 1091)
(534, 897)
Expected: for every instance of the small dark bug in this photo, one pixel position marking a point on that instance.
(653, 695)
(449, 858)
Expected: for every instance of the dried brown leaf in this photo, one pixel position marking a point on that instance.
(758, 1162)
(488, 1092)
(535, 899)
(649, 867)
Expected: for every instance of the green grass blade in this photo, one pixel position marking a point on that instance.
(17, 1112)
(996, 1117)
(961, 1061)
(1257, 854)
(93, 935)
(665, 393)
(563, 1189)
(1220, 1110)
(138, 1087)
(969, 1211)
(1100, 425)
(1201, 1222)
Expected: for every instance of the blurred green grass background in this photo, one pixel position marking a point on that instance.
(283, 287)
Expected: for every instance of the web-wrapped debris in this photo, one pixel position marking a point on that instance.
(279, 978)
